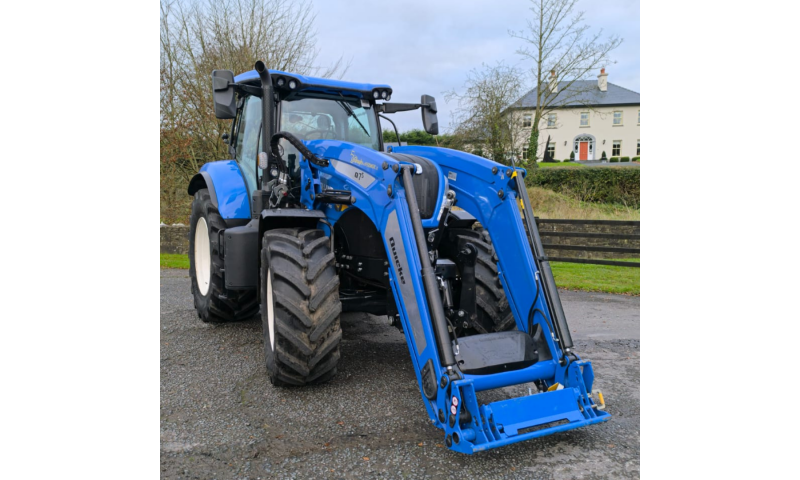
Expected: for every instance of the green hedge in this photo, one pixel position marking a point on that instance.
(625, 159)
(614, 159)
(602, 185)
(635, 159)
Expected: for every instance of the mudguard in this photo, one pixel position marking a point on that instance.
(226, 185)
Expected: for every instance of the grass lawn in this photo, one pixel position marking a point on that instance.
(549, 204)
(572, 276)
(173, 260)
(597, 278)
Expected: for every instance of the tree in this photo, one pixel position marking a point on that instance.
(563, 51)
(203, 35)
(481, 115)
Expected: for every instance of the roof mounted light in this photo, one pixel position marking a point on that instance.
(376, 94)
(384, 93)
(281, 81)
(292, 84)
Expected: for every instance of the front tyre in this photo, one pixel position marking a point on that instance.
(301, 310)
(214, 303)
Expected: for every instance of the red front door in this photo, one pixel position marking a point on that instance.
(584, 151)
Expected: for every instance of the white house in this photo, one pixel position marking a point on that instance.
(591, 118)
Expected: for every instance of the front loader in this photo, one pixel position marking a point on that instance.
(314, 216)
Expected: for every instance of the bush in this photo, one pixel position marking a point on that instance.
(625, 159)
(635, 159)
(567, 160)
(603, 156)
(571, 156)
(614, 159)
(602, 185)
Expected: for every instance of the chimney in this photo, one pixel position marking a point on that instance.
(602, 80)
(553, 82)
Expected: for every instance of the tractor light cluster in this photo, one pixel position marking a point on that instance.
(382, 94)
(282, 81)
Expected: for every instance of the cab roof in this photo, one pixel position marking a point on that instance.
(306, 83)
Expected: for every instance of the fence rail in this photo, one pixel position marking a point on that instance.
(612, 242)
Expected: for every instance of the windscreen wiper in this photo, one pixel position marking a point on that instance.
(351, 113)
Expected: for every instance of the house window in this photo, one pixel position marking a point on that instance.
(584, 119)
(526, 120)
(637, 147)
(617, 117)
(551, 120)
(524, 153)
(639, 118)
(551, 149)
(616, 146)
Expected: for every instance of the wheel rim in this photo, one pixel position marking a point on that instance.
(202, 256)
(270, 312)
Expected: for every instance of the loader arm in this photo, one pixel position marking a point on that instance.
(488, 191)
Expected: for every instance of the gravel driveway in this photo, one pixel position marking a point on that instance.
(220, 417)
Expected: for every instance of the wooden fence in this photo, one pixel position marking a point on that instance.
(597, 242)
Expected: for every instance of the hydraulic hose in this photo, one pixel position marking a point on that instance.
(296, 143)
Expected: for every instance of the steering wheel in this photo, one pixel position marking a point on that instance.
(322, 134)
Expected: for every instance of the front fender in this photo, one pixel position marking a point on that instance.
(226, 186)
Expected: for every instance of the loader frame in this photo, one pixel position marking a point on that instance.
(337, 176)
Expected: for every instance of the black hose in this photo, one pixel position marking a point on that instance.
(273, 144)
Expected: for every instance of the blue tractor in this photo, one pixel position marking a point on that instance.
(314, 216)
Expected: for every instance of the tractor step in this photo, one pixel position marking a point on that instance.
(495, 352)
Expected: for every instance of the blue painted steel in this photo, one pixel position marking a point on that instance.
(232, 198)
(324, 83)
(492, 199)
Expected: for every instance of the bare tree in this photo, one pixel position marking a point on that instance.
(563, 51)
(198, 36)
(480, 116)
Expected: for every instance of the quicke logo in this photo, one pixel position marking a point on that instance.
(397, 262)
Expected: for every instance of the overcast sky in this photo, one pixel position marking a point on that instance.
(428, 46)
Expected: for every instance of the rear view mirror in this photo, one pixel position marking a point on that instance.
(429, 119)
(224, 95)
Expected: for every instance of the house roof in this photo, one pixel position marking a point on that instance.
(588, 95)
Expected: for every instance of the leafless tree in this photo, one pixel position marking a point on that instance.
(198, 36)
(480, 116)
(563, 50)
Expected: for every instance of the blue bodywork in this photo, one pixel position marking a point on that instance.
(491, 197)
(228, 183)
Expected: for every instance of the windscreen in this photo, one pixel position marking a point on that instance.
(332, 119)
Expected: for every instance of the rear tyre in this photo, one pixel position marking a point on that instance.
(493, 311)
(301, 309)
(214, 303)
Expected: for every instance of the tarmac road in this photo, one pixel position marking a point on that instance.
(220, 417)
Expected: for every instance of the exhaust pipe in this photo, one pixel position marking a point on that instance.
(266, 108)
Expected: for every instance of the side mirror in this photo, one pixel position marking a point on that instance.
(429, 119)
(224, 95)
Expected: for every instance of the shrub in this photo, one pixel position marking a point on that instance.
(571, 156)
(602, 185)
(567, 160)
(614, 159)
(625, 159)
(603, 156)
(635, 159)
